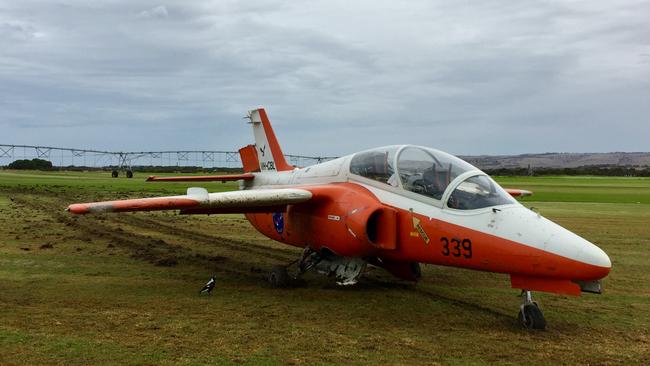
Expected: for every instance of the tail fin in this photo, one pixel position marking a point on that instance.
(269, 153)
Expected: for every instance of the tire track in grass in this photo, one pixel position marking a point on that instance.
(141, 246)
(384, 284)
(282, 255)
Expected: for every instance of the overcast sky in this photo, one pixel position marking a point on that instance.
(481, 77)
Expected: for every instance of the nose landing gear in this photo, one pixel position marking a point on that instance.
(530, 315)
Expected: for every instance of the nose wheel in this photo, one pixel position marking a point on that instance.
(530, 315)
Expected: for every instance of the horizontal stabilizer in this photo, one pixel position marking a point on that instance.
(202, 178)
(198, 200)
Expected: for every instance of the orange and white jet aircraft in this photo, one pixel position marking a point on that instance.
(392, 207)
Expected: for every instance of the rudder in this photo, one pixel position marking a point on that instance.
(268, 149)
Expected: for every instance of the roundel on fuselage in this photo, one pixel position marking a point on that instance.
(278, 222)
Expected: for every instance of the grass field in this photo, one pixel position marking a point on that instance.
(122, 289)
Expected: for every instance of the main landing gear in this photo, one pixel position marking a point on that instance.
(347, 271)
(530, 315)
(279, 276)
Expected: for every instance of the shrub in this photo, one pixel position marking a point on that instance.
(34, 164)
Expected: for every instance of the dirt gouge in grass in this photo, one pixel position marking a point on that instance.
(392, 207)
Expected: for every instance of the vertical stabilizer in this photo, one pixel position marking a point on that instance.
(269, 153)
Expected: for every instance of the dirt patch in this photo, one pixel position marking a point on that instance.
(166, 262)
(210, 258)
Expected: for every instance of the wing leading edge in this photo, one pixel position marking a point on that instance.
(199, 201)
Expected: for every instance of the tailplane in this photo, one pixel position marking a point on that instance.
(268, 151)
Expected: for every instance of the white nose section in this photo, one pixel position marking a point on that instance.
(592, 254)
(564, 242)
(523, 225)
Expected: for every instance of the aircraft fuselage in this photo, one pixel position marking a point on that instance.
(353, 216)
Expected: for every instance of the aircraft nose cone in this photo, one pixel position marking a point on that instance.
(598, 261)
(592, 254)
(594, 262)
(589, 261)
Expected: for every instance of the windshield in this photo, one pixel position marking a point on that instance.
(427, 171)
(478, 192)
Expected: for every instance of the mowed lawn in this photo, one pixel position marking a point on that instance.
(123, 289)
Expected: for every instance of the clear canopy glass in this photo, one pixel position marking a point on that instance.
(429, 172)
(476, 192)
(376, 164)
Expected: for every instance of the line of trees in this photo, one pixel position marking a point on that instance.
(34, 164)
(599, 170)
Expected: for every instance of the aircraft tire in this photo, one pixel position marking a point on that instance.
(129, 174)
(114, 173)
(278, 277)
(534, 317)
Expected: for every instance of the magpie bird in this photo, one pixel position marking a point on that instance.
(207, 289)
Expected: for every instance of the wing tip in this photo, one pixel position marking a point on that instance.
(77, 209)
(519, 192)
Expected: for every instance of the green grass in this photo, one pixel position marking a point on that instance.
(97, 182)
(97, 296)
(583, 189)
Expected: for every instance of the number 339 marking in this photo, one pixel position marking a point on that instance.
(456, 247)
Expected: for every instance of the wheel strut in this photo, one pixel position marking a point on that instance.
(308, 260)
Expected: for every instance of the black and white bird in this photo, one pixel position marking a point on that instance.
(207, 289)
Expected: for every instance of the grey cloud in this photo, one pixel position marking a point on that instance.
(17, 32)
(490, 77)
(156, 12)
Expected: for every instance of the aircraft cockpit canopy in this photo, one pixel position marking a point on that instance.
(429, 172)
(377, 164)
(478, 191)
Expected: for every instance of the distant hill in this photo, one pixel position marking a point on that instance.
(560, 160)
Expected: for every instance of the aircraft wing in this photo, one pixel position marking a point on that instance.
(202, 178)
(518, 192)
(199, 201)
